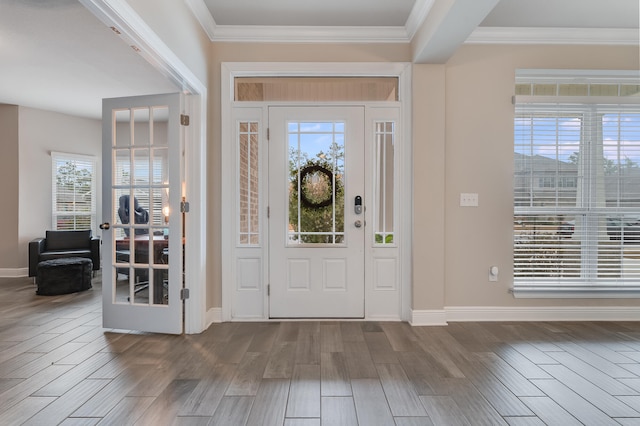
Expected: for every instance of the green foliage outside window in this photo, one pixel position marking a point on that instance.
(316, 214)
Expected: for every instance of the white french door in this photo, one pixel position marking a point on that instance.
(142, 230)
(317, 211)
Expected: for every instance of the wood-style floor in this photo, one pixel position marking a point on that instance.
(59, 366)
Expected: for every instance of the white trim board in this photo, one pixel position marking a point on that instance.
(306, 34)
(214, 315)
(14, 272)
(405, 33)
(499, 313)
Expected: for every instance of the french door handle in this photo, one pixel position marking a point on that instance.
(105, 226)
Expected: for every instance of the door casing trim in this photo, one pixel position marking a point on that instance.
(137, 33)
(231, 70)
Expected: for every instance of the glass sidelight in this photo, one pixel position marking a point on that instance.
(249, 183)
(384, 172)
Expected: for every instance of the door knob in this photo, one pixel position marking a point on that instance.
(105, 226)
(358, 223)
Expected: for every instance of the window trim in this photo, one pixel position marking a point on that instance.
(57, 157)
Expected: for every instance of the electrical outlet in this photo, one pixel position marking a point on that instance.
(468, 200)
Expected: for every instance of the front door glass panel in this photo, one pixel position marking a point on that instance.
(316, 182)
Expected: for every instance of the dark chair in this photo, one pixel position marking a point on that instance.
(64, 244)
(140, 215)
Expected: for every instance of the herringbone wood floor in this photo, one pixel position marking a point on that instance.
(59, 366)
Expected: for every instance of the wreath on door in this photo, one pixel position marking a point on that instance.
(316, 186)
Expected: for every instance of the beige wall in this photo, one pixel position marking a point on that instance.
(478, 158)
(428, 186)
(9, 140)
(262, 52)
(40, 133)
(28, 137)
(462, 142)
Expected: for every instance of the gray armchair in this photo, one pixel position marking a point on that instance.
(61, 244)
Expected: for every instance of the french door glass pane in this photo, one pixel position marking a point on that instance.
(140, 207)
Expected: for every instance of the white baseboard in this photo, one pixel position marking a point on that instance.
(499, 313)
(433, 317)
(14, 272)
(428, 317)
(214, 315)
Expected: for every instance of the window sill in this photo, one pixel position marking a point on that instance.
(548, 291)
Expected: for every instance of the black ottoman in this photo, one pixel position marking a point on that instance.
(62, 276)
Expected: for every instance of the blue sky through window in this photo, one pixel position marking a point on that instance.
(559, 137)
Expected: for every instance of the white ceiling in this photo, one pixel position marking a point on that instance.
(565, 14)
(55, 55)
(507, 13)
(307, 13)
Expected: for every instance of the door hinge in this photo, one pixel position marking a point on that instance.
(267, 133)
(184, 119)
(184, 293)
(184, 207)
(268, 289)
(268, 212)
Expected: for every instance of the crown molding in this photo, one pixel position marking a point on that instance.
(299, 34)
(572, 36)
(306, 34)
(202, 14)
(404, 34)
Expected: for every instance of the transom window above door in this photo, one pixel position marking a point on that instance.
(315, 89)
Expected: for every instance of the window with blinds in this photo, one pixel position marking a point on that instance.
(576, 195)
(73, 191)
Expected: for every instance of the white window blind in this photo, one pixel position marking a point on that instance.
(149, 184)
(73, 191)
(576, 196)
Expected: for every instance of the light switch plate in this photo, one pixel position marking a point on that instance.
(468, 200)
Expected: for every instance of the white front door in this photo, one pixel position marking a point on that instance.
(317, 205)
(142, 230)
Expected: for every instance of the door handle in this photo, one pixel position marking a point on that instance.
(358, 223)
(105, 226)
